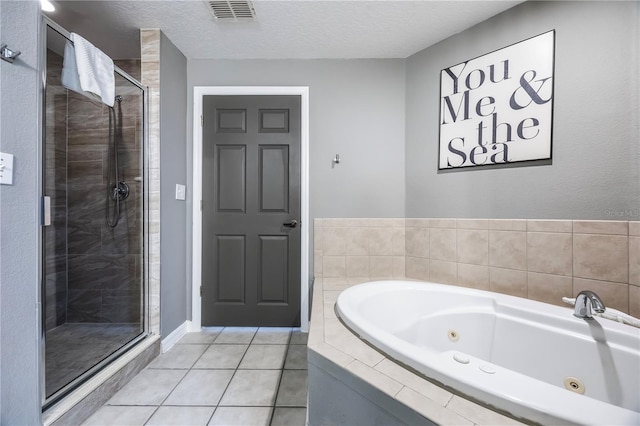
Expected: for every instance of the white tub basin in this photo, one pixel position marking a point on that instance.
(514, 354)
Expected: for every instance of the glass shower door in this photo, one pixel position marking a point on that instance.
(93, 286)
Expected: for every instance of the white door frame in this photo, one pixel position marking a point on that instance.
(198, 96)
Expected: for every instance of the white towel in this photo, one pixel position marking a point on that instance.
(87, 70)
(611, 314)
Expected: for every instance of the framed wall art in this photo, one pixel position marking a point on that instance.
(498, 108)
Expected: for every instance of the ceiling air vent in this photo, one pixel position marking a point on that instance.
(232, 10)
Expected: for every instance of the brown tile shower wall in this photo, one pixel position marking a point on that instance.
(80, 247)
(537, 259)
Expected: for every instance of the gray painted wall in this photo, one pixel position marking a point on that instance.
(19, 217)
(596, 153)
(173, 163)
(356, 110)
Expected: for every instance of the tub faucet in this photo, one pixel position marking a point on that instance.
(588, 302)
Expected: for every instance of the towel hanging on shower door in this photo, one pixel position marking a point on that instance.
(88, 71)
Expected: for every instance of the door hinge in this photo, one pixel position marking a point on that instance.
(200, 291)
(202, 121)
(200, 205)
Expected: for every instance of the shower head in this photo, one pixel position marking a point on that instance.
(118, 98)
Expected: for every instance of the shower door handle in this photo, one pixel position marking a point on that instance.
(46, 210)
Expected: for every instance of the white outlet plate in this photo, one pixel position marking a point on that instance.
(6, 169)
(181, 192)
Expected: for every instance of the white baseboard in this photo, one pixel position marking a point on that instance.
(191, 327)
(174, 336)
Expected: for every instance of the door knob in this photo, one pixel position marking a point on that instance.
(291, 224)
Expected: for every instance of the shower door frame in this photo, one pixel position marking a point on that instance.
(145, 318)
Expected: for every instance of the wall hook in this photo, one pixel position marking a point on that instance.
(336, 159)
(8, 54)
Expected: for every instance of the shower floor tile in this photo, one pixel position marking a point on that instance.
(213, 390)
(72, 349)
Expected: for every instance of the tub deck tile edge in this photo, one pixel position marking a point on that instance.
(435, 410)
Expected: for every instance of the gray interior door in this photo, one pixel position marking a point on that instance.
(251, 211)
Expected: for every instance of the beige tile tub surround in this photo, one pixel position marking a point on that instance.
(359, 248)
(417, 268)
(417, 242)
(472, 246)
(634, 260)
(508, 249)
(443, 272)
(508, 281)
(601, 257)
(542, 260)
(331, 340)
(634, 301)
(442, 244)
(548, 288)
(473, 276)
(550, 253)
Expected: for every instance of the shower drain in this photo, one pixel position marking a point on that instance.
(574, 385)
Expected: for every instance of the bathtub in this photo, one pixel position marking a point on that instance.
(534, 361)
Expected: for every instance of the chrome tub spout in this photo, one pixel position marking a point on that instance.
(587, 302)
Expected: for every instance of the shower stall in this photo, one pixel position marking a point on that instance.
(94, 293)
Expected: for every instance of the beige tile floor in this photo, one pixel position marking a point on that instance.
(220, 376)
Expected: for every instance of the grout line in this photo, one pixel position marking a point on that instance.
(174, 388)
(214, 411)
(177, 406)
(152, 414)
(272, 406)
(234, 372)
(198, 359)
(275, 399)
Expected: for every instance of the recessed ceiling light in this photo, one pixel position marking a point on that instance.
(47, 6)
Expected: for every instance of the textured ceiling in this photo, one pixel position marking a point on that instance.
(282, 30)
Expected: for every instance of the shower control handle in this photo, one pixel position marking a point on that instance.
(291, 224)
(120, 191)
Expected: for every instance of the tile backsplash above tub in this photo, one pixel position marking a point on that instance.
(537, 259)
(359, 248)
